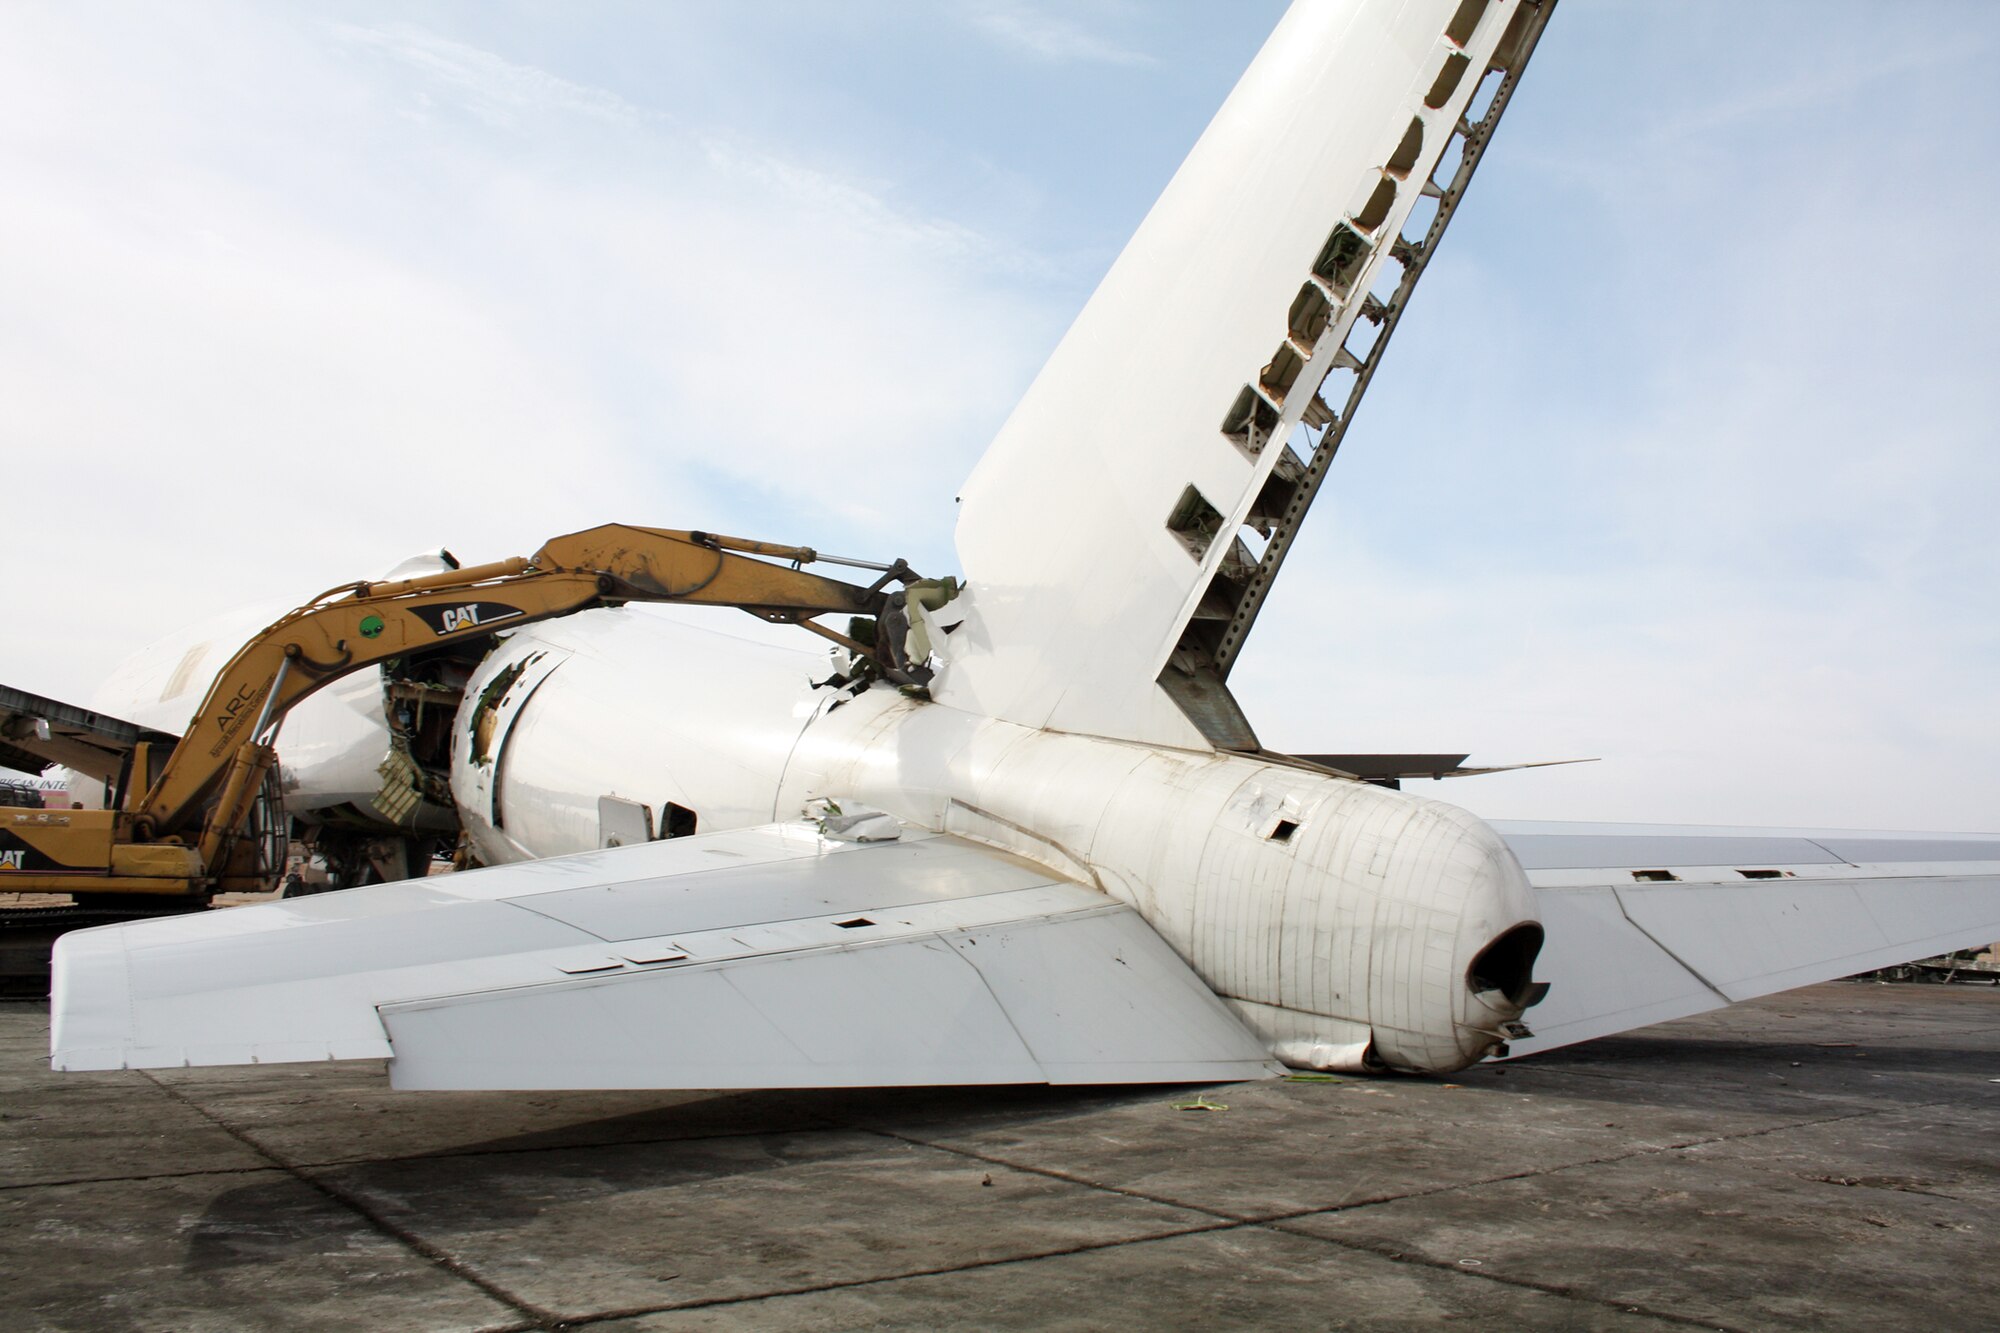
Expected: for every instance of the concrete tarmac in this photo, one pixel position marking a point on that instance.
(1827, 1159)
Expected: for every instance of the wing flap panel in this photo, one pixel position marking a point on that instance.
(850, 1018)
(1088, 996)
(1102, 999)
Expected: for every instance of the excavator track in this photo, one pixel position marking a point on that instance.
(28, 935)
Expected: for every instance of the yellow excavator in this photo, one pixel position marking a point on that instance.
(190, 818)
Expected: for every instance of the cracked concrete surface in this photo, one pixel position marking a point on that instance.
(1824, 1159)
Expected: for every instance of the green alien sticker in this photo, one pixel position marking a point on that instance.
(371, 626)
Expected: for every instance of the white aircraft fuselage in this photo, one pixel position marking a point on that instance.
(1350, 926)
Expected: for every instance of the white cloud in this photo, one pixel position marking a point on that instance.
(852, 204)
(1898, 59)
(1046, 36)
(260, 354)
(497, 90)
(1791, 703)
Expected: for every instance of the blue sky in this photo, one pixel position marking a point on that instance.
(1685, 455)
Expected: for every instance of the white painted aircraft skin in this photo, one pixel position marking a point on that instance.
(52, 784)
(627, 704)
(1067, 874)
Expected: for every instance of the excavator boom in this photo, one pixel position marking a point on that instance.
(179, 835)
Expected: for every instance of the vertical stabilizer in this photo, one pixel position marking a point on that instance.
(1119, 532)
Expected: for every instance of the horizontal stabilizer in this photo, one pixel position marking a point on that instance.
(1649, 923)
(769, 957)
